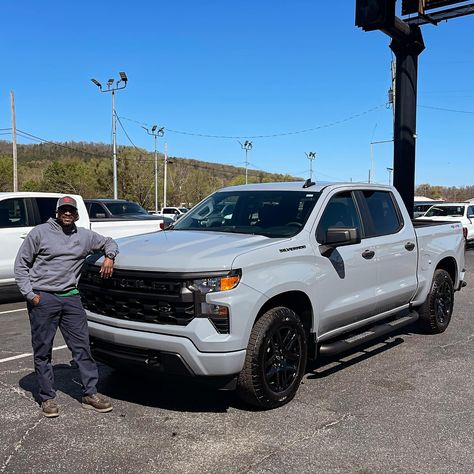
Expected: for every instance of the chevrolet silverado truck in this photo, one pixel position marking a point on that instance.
(295, 271)
(21, 211)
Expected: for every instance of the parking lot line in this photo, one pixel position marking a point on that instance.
(12, 311)
(27, 354)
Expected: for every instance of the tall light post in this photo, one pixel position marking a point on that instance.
(311, 157)
(156, 132)
(247, 146)
(372, 167)
(120, 84)
(389, 175)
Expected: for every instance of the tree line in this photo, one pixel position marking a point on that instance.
(86, 169)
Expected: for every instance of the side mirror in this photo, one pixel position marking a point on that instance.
(339, 236)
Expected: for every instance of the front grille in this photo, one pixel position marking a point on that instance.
(141, 296)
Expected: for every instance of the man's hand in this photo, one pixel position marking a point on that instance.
(107, 268)
(36, 300)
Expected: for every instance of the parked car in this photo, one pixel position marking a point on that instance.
(21, 211)
(298, 271)
(173, 212)
(454, 211)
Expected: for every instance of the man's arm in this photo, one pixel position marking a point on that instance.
(23, 262)
(109, 248)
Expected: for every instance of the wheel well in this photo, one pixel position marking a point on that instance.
(294, 300)
(449, 264)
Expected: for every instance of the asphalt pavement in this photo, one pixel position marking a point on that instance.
(401, 405)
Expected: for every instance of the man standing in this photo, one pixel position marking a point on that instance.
(47, 271)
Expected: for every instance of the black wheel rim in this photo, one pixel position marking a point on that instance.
(282, 358)
(443, 303)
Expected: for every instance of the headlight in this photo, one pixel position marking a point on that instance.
(216, 283)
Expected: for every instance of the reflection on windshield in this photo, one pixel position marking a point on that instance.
(119, 208)
(268, 213)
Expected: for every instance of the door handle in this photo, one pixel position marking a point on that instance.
(409, 246)
(368, 254)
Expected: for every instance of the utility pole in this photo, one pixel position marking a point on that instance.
(247, 146)
(123, 80)
(165, 173)
(311, 157)
(389, 175)
(15, 163)
(156, 133)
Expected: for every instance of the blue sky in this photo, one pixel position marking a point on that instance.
(238, 69)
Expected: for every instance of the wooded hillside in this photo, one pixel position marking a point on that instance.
(86, 169)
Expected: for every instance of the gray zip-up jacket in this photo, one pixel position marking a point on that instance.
(51, 260)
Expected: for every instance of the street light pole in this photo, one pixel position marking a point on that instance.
(372, 168)
(389, 175)
(165, 172)
(247, 146)
(311, 157)
(156, 132)
(123, 80)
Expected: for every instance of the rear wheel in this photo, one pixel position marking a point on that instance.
(275, 359)
(435, 313)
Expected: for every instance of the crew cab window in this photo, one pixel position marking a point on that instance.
(96, 211)
(13, 213)
(340, 211)
(384, 216)
(46, 207)
(470, 211)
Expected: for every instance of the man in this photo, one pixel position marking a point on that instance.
(47, 271)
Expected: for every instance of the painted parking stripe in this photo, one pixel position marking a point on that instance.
(12, 311)
(27, 354)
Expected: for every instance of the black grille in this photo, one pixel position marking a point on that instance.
(139, 296)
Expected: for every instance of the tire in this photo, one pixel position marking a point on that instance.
(275, 361)
(435, 313)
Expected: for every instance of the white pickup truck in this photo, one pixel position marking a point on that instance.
(462, 212)
(296, 271)
(21, 211)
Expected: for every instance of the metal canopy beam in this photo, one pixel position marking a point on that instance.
(435, 17)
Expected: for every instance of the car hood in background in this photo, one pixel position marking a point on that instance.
(185, 251)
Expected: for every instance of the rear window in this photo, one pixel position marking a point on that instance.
(385, 217)
(46, 207)
(453, 211)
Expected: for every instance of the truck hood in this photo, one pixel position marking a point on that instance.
(185, 251)
(446, 218)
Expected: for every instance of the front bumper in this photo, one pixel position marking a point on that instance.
(169, 354)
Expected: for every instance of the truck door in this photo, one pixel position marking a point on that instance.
(345, 287)
(15, 223)
(395, 249)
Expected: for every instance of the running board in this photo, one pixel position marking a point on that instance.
(367, 334)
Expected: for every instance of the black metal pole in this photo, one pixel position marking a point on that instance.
(406, 51)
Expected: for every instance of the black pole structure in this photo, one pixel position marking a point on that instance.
(406, 51)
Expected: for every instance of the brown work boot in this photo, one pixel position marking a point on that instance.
(49, 408)
(96, 402)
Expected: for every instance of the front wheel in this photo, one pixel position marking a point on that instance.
(275, 361)
(435, 313)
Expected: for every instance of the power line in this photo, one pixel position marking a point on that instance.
(446, 110)
(272, 135)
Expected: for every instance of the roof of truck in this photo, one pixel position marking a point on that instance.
(297, 186)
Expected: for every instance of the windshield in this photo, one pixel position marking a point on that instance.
(120, 208)
(454, 211)
(269, 213)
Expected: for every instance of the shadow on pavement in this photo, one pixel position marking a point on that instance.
(169, 393)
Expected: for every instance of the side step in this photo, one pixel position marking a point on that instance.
(367, 334)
